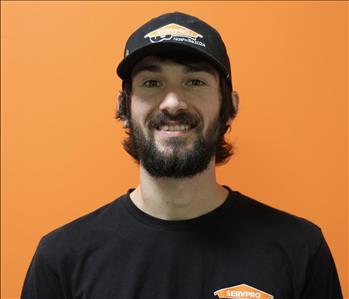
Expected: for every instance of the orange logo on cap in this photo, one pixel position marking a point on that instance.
(242, 291)
(173, 31)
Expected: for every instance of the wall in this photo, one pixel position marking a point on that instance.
(61, 153)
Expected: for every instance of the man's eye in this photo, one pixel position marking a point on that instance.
(196, 82)
(151, 83)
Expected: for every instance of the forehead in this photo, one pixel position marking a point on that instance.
(158, 64)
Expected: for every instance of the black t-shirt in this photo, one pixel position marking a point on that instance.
(242, 249)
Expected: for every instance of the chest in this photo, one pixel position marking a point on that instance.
(183, 266)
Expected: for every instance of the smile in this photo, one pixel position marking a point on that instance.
(174, 128)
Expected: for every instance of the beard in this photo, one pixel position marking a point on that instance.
(177, 159)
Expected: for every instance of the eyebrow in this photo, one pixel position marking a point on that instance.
(194, 68)
(148, 68)
(189, 68)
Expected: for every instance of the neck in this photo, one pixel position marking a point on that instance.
(179, 199)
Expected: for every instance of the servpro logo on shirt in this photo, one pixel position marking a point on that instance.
(242, 291)
(175, 32)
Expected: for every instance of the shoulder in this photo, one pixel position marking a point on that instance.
(276, 224)
(81, 233)
(297, 243)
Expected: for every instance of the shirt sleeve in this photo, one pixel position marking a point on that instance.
(41, 281)
(322, 280)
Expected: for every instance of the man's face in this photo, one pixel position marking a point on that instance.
(174, 116)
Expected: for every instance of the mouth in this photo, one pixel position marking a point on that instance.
(174, 129)
(179, 125)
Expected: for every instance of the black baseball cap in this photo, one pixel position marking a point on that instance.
(177, 32)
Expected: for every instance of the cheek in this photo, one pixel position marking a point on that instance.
(210, 109)
(139, 109)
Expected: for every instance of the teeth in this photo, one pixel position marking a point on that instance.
(175, 128)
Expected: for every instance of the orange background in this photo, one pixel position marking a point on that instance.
(61, 152)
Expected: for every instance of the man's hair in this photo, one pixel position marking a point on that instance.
(224, 150)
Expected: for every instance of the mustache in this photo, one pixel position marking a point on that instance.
(164, 118)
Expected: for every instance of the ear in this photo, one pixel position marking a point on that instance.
(236, 100)
(121, 98)
(125, 123)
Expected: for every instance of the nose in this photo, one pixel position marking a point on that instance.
(173, 102)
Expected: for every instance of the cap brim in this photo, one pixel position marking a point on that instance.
(126, 66)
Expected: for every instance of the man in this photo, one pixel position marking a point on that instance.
(179, 234)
